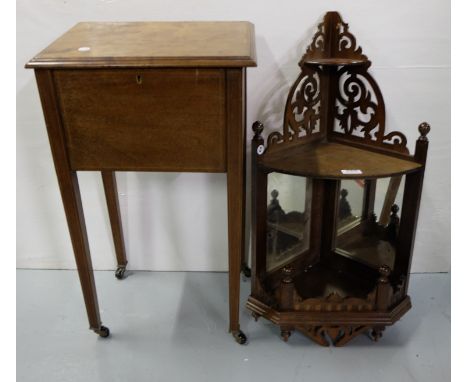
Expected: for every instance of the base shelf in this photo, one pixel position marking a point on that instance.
(369, 251)
(321, 281)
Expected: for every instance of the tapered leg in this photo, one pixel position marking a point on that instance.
(71, 198)
(70, 191)
(245, 269)
(236, 192)
(112, 199)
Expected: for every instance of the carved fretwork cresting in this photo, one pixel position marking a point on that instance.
(317, 46)
(360, 110)
(333, 40)
(346, 43)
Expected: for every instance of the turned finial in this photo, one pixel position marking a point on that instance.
(395, 209)
(287, 272)
(384, 271)
(424, 129)
(257, 128)
(274, 194)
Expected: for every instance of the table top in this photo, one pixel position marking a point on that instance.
(151, 44)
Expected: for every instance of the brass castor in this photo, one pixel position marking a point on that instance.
(103, 331)
(120, 272)
(246, 270)
(285, 334)
(240, 337)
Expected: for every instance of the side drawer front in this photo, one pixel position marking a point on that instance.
(147, 120)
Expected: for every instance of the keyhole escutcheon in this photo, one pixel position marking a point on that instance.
(139, 79)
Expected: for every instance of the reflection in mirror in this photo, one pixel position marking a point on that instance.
(350, 203)
(368, 233)
(388, 191)
(288, 218)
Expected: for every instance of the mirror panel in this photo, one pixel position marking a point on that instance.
(350, 203)
(288, 218)
(368, 235)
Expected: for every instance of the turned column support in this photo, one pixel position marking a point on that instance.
(286, 289)
(384, 289)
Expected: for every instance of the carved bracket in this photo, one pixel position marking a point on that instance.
(338, 335)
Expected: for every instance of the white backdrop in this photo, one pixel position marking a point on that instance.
(179, 221)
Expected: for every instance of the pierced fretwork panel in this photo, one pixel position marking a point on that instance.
(302, 113)
(360, 110)
(317, 46)
(346, 45)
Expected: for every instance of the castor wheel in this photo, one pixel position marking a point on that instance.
(256, 316)
(120, 273)
(285, 334)
(240, 337)
(103, 331)
(376, 333)
(246, 271)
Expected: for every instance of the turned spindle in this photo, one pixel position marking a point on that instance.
(286, 297)
(383, 288)
(286, 288)
(392, 227)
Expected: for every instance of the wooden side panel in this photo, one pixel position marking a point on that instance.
(149, 120)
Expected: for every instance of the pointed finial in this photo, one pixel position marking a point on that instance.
(424, 129)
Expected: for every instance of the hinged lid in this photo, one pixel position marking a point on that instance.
(151, 44)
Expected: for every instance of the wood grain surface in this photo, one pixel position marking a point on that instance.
(144, 119)
(328, 159)
(151, 44)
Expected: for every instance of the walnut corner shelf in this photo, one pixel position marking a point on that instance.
(330, 259)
